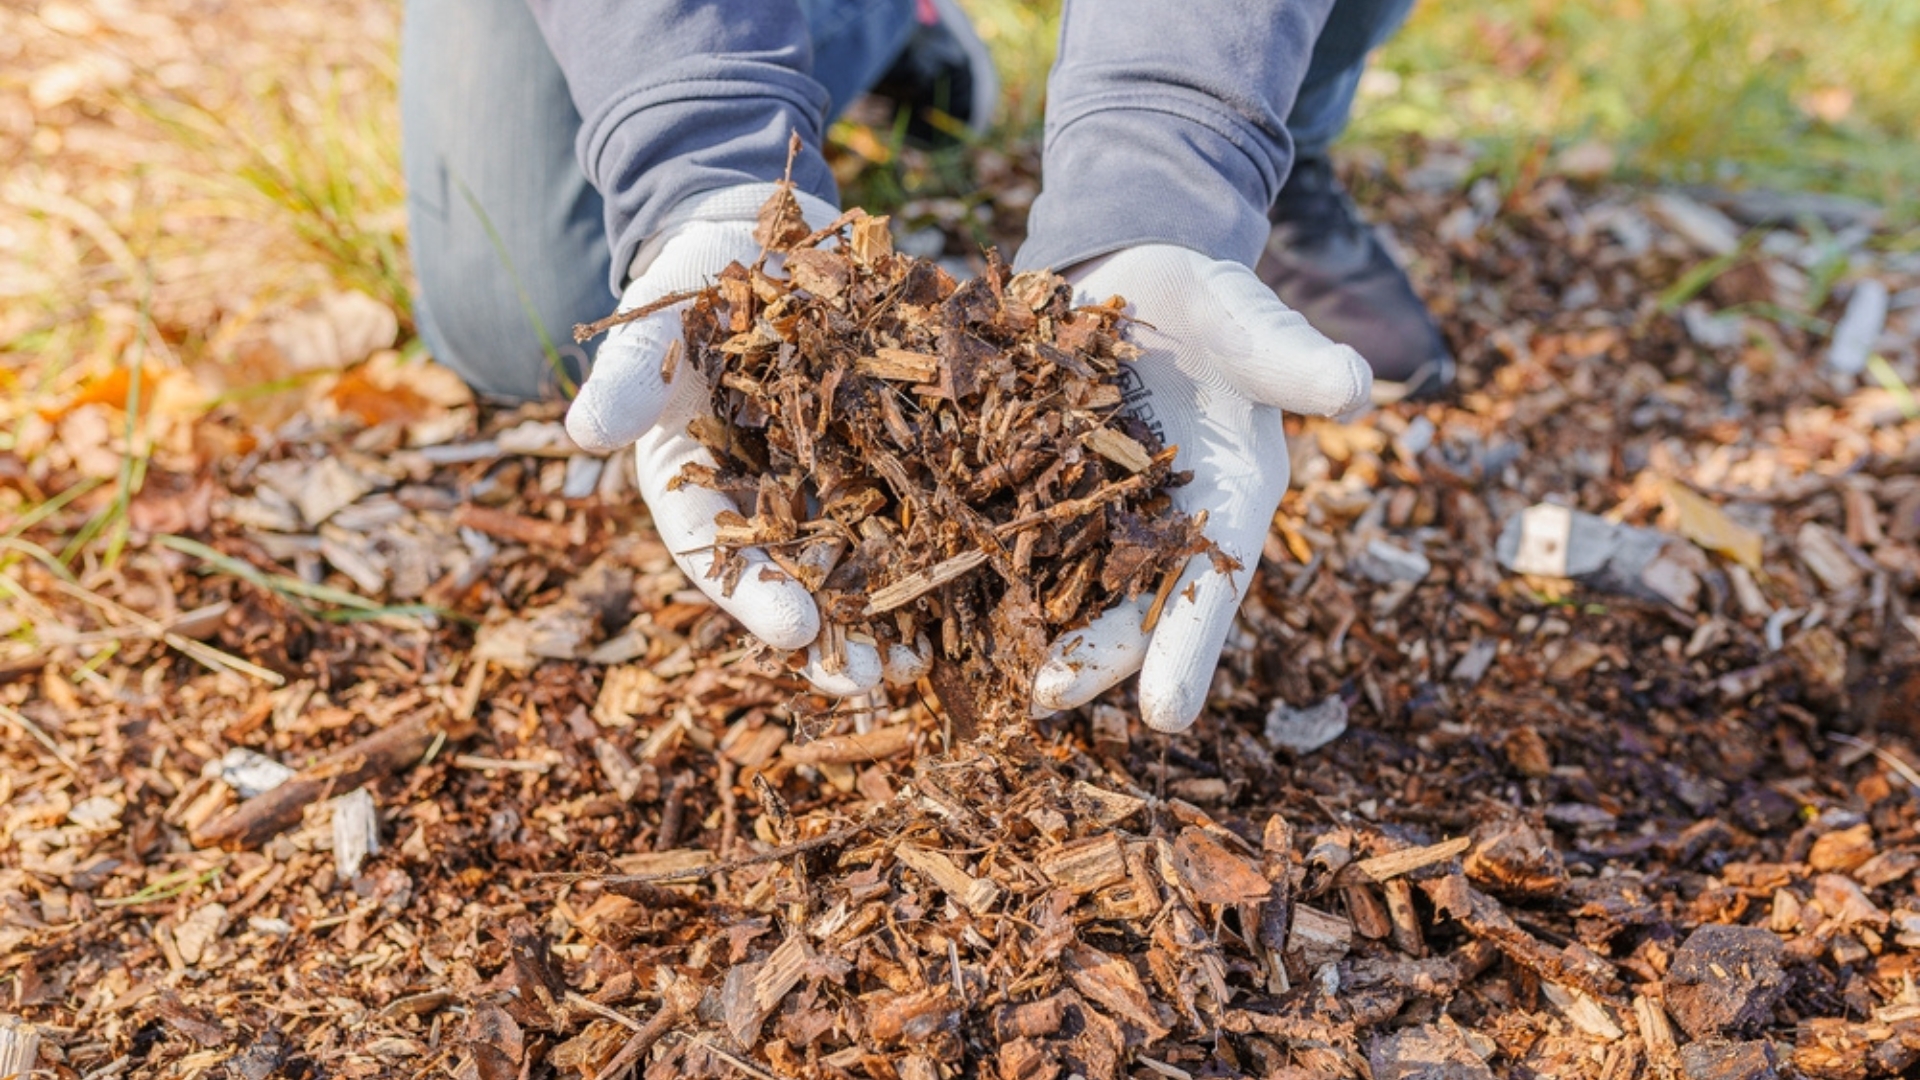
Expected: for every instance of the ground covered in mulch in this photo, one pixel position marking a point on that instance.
(396, 745)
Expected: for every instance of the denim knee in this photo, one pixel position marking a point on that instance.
(505, 232)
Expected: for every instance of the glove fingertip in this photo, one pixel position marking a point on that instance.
(585, 427)
(841, 684)
(1169, 710)
(1359, 379)
(859, 670)
(1055, 686)
(788, 626)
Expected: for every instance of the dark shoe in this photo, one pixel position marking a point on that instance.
(1325, 263)
(944, 77)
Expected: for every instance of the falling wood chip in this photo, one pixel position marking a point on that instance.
(899, 364)
(356, 832)
(977, 895)
(908, 589)
(1383, 868)
(1586, 1014)
(877, 745)
(1086, 864)
(1119, 449)
(783, 970)
(19, 1048)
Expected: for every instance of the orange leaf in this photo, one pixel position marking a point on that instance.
(376, 404)
(106, 389)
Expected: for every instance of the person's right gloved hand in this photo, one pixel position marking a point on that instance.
(627, 400)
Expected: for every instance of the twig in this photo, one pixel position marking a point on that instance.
(744, 1066)
(695, 873)
(672, 808)
(913, 586)
(1886, 757)
(1073, 508)
(585, 332)
(729, 817)
(672, 1008)
(214, 659)
(1489, 921)
(474, 761)
(383, 753)
(576, 999)
(19, 720)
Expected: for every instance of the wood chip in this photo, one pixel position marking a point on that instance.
(1383, 868)
(977, 895)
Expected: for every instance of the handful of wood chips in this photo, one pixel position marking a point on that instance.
(941, 464)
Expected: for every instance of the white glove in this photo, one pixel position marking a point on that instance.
(627, 401)
(1222, 357)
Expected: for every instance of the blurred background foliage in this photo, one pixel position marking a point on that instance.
(1794, 94)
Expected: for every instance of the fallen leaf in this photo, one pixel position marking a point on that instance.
(1709, 526)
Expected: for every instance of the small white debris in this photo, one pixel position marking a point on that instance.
(98, 813)
(1554, 541)
(19, 1047)
(198, 932)
(1629, 227)
(1544, 543)
(1697, 223)
(274, 927)
(460, 453)
(1775, 632)
(1473, 666)
(1579, 817)
(1419, 435)
(1712, 331)
(1588, 1015)
(1859, 328)
(1305, 730)
(540, 438)
(249, 772)
(356, 832)
(1386, 563)
(583, 475)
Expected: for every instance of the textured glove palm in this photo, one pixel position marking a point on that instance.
(1222, 358)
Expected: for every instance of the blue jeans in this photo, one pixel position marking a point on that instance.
(505, 232)
(1354, 29)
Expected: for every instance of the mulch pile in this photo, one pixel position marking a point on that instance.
(932, 460)
(549, 815)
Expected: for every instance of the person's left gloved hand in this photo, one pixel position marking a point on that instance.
(629, 399)
(1222, 358)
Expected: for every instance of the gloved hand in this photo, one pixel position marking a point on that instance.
(627, 400)
(1222, 358)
